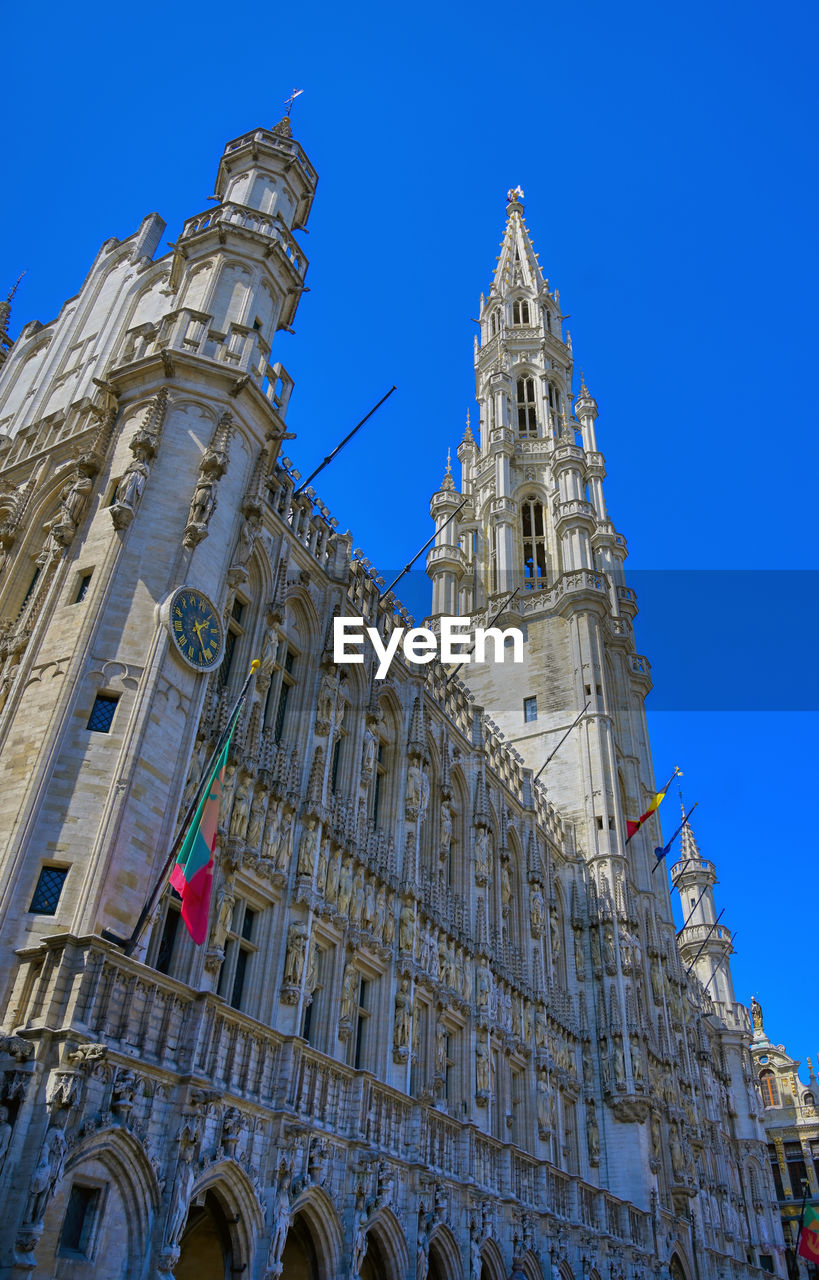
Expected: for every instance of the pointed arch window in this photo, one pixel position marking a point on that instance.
(527, 412)
(770, 1089)
(533, 530)
(520, 311)
(493, 324)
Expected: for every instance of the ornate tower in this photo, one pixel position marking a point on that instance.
(134, 432)
(534, 523)
(704, 943)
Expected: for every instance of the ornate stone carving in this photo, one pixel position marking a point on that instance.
(211, 469)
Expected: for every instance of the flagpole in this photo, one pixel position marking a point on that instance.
(705, 939)
(659, 856)
(428, 543)
(560, 743)
(204, 779)
(339, 447)
(495, 617)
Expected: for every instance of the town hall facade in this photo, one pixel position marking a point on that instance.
(442, 1026)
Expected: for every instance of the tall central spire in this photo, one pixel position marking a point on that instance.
(518, 267)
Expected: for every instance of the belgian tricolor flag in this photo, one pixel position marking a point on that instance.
(634, 827)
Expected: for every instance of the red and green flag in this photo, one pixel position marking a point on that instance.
(634, 827)
(809, 1235)
(192, 873)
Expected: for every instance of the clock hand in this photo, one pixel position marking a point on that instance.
(197, 626)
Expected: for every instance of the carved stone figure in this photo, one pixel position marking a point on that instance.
(403, 1017)
(281, 1221)
(345, 886)
(226, 798)
(676, 1152)
(180, 1198)
(47, 1172)
(482, 1073)
(412, 798)
(588, 1065)
(248, 534)
(422, 1248)
(295, 954)
(609, 954)
(283, 840)
(441, 1039)
(756, 1013)
(554, 927)
(368, 754)
(357, 903)
(475, 1259)
(359, 1249)
(579, 957)
(368, 914)
(618, 1063)
(541, 1028)
(389, 923)
(537, 910)
(446, 830)
(483, 987)
(224, 916)
(349, 991)
(380, 912)
(129, 491)
(543, 1115)
(505, 887)
(482, 855)
(307, 850)
(333, 874)
(325, 703)
(5, 1135)
(656, 1136)
(406, 927)
(321, 872)
(256, 821)
(636, 1061)
(203, 502)
(241, 809)
(592, 1135)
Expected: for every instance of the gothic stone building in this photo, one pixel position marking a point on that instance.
(441, 1026)
(791, 1125)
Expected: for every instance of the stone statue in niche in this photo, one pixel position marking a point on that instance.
(283, 841)
(537, 911)
(482, 1071)
(481, 855)
(349, 991)
(256, 820)
(241, 809)
(224, 916)
(406, 927)
(345, 886)
(307, 850)
(543, 1113)
(592, 1135)
(333, 875)
(295, 954)
(129, 492)
(446, 830)
(5, 1135)
(403, 1020)
(47, 1172)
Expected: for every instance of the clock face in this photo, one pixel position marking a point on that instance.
(196, 629)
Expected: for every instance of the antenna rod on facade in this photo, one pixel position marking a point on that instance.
(339, 447)
(705, 939)
(560, 743)
(428, 543)
(204, 779)
(495, 617)
(719, 966)
(696, 904)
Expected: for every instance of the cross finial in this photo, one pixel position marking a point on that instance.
(467, 418)
(449, 462)
(288, 102)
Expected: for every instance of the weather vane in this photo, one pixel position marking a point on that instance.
(289, 101)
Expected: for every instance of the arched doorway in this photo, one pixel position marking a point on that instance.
(376, 1265)
(300, 1257)
(205, 1249)
(676, 1270)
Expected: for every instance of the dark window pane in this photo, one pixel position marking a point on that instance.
(166, 942)
(239, 978)
(247, 924)
(102, 712)
(530, 709)
(49, 888)
(82, 590)
(223, 673)
(281, 711)
(334, 766)
(79, 1218)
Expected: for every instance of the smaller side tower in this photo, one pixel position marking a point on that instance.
(703, 943)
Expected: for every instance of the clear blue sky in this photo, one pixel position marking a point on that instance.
(667, 154)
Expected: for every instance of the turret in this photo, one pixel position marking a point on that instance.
(703, 942)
